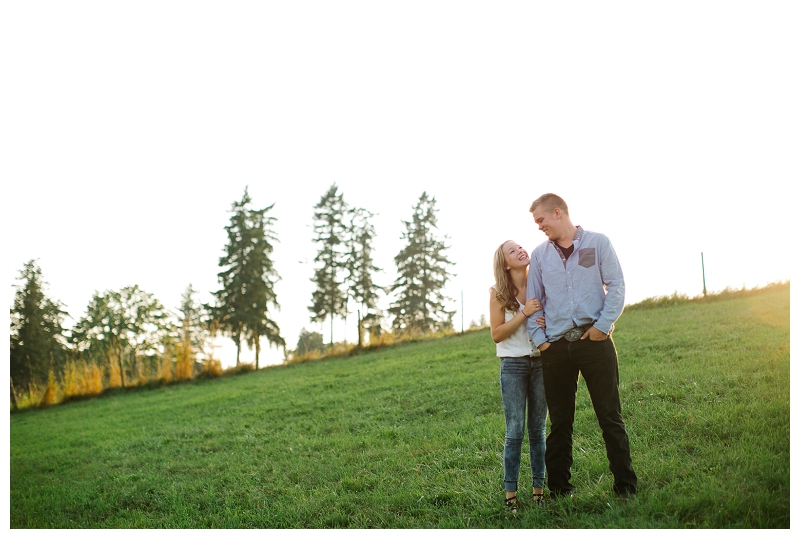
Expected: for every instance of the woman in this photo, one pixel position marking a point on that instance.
(521, 381)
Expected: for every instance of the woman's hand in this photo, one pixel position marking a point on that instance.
(531, 306)
(540, 321)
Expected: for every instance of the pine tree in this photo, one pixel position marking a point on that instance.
(360, 269)
(264, 276)
(37, 334)
(230, 307)
(192, 334)
(329, 300)
(422, 274)
(248, 280)
(191, 319)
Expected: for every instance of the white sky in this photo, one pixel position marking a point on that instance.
(128, 129)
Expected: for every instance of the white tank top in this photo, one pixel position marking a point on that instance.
(519, 343)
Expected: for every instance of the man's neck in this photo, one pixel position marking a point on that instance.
(566, 238)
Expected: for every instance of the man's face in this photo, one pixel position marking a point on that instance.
(548, 222)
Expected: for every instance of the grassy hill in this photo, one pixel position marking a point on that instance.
(412, 437)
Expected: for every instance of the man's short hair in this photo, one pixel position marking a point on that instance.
(548, 202)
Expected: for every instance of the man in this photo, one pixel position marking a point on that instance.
(577, 277)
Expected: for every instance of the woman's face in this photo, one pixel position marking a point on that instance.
(516, 256)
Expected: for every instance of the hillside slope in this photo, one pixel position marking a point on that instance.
(411, 437)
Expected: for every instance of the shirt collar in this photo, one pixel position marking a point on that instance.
(578, 234)
(575, 240)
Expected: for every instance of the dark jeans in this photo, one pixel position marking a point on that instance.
(596, 361)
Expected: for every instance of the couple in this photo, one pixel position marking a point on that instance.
(574, 283)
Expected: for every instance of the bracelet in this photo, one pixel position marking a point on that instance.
(523, 313)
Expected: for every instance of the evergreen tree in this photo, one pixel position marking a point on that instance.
(422, 274)
(192, 322)
(329, 300)
(230, 306)
(37, 334)
(264, 277)
(248, 280)
(360, 269)
(192, 334)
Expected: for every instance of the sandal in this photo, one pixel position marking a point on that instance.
(511, 504)
(538, 499)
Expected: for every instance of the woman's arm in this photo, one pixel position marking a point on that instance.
(501, 330)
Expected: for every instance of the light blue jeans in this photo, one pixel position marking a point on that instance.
(522, 386)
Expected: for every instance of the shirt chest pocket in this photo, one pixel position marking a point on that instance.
(586, 257)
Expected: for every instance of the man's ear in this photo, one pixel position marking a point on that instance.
(557, 213)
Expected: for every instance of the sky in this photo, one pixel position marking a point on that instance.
(129, 129)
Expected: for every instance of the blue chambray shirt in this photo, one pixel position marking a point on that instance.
(588, 288)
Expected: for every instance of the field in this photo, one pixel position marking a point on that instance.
(412, 437)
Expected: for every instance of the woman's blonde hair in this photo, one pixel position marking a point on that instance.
(504, 288)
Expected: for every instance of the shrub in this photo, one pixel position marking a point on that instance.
(184, 366)
(242, 368)
(212, 368)
(82, 379)
(51, 393)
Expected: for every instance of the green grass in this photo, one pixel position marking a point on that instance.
(412, 437)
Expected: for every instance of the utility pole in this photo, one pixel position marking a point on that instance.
(359, 330)
(462, 311)
(703, 264)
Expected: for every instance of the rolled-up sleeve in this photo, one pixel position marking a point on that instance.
(535, 290)
(611, 274)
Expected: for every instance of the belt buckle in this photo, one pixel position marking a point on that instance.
(574, 334)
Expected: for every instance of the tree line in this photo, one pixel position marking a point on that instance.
(128, 338)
